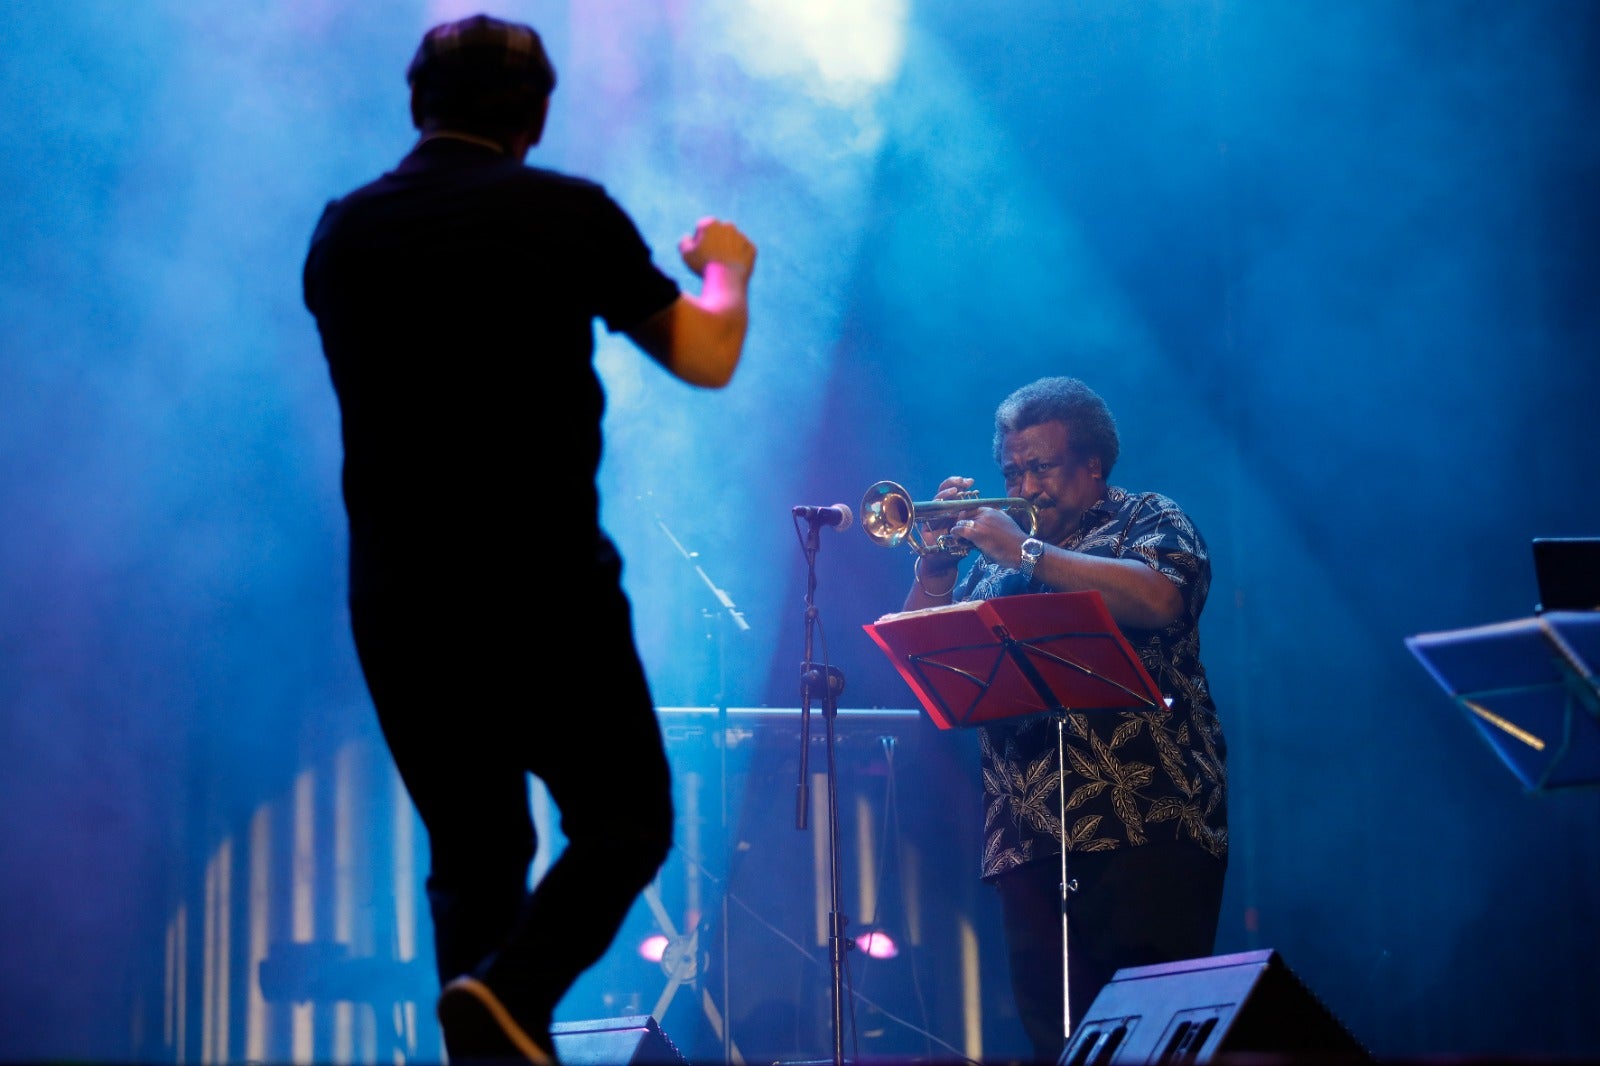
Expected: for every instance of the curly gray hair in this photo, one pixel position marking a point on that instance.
(1090, 425)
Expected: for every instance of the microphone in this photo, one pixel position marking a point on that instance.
(838, 516)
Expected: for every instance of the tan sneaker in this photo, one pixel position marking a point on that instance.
(477, 1026)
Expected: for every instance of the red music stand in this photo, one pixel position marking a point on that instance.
(983, 661)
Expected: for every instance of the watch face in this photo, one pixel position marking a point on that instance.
(1033, 548)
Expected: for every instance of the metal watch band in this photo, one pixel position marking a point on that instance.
(1032, 548)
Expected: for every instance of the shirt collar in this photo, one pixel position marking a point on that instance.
(461, 137)
(1102, 509)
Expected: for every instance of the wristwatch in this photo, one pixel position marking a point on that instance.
(1032, 548)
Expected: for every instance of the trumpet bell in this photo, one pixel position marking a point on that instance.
(887, 513)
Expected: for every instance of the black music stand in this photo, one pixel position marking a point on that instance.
(987, 660)
(1528, 688)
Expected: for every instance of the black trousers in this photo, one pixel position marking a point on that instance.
(464, 697)
(1132, 907)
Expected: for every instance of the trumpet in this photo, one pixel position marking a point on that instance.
(890, 517)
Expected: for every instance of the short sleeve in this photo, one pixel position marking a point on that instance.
(1164, 536)
(630, 286)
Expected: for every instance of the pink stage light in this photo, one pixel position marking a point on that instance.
(653, 947)
(878, 945)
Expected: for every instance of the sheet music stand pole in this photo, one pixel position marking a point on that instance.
(1014, 646)
(1067, 887)
(1040, 685)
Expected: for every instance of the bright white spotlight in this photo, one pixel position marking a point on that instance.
(653, 947)
(844, 48)
(878, 945)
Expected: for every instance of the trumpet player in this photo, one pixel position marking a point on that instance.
(1145, 825)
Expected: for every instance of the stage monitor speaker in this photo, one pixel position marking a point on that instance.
(1248, 1004)
(630, 1041)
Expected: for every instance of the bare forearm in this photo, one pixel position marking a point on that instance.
(931, 585)
(1137, 595)
(709, 335)
(700, 339)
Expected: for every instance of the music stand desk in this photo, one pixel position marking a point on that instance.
(1529, 687)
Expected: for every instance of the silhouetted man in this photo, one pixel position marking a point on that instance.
(456, 297)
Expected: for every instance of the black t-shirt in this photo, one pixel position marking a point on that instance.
(456, 297)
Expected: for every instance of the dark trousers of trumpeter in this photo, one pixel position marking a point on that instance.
(1131, 907)
(472, 699)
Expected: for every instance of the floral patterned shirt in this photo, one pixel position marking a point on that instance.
(1133, 776)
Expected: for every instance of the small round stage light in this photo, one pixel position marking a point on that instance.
(878, 944)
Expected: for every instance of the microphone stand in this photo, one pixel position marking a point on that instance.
(717, 593)
(826, 682)
(719, 636)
